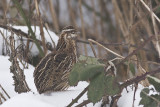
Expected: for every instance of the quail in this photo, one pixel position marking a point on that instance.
(52, 72)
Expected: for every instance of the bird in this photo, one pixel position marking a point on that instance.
(52, 72)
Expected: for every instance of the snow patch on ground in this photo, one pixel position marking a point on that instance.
(127, 98)
(33, 99)
(54, 99)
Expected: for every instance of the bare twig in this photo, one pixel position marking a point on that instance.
(136, 50)
(71, 13)
(41, 27)
(46, 27)
(2, 96)
(84, 103)
(145, 5)
(136, 86)
(91, 40)
(83, 29)
(155, 32)
(0, 100)
(78, 97)
(92, 47)
(54, 17)
(21, 33)
(4, 91)
(137, 79)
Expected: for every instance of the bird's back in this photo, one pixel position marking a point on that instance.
(51, 74)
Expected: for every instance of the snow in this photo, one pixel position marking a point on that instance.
(54, 99)
(127, 98)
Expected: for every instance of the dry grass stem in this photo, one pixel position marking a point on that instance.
(54, 16)
(105, 48)
(82, 26)
(156, 33)
(46, 27)
(146, 6)
(41, 27)
(93, 50)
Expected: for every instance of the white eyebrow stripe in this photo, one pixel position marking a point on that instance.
(65, 30)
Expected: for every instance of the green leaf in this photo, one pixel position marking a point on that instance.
(111, 87)
(149, 101)
(91, 69)
(96, 89)
(84, 72)
(74, 75)
(146, 90)
(156, 97)
(102, 85)
(155, 82)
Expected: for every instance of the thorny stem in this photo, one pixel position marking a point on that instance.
(129, 82)
(83, 103)
(137, 79)
(136, 86)
(136, 50)
(78, 97)
(111, 44)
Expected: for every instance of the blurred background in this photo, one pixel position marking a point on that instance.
(119, 25)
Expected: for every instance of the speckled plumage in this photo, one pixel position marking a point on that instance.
(51, 74)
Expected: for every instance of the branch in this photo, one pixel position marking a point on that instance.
(4, 91)
(83, 103)
(78, 97)
(23, 34)
(110, 44)
(137, 79)
(156, 17)
(136, 50)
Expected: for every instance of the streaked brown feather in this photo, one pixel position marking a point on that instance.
(51, 74)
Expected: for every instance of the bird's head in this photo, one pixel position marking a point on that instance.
(67, 37)
(69, 33)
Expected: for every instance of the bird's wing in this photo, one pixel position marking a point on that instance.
(47, 70)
